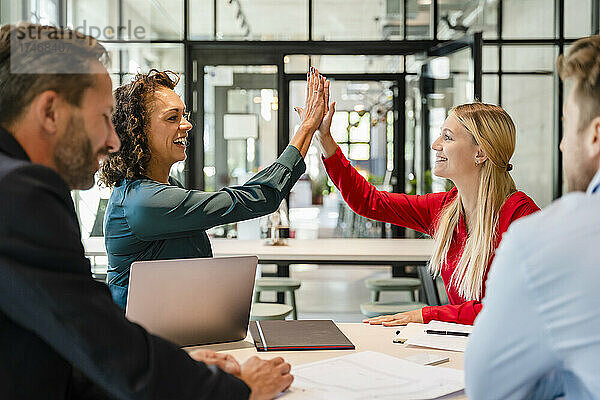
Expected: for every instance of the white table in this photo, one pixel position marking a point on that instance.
(331, 250)
(364, 336)
(313, 250)
(394, 252)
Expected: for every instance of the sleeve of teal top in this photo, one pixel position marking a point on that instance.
(166, 211)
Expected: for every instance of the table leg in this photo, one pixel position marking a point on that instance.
(283, 270)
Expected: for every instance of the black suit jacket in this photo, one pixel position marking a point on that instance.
(61, 335)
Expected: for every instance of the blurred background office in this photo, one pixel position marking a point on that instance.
(397, 67)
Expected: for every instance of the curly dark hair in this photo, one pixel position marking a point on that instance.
(131, 119)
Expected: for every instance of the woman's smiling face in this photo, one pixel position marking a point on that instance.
(168, 128)
(455, 151)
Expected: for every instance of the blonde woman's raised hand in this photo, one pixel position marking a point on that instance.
(325, 127)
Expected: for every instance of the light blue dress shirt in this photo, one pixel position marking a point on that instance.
(538, 336)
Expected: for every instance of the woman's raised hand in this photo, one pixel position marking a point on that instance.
(325, 127)
(328, 145)
(311, 115)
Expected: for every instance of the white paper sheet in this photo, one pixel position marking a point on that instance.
(415, 335)
(369, 374)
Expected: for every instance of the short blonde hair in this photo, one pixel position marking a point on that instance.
(582, 65)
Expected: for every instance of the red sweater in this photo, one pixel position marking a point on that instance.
(420, 212)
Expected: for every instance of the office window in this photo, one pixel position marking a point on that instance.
(490, 59)
(414, 62)
(37, 11)
(528, 19)
(44, 12)
(362, 64)
(489, 90)
(155, 20)
(357, 20)
(98, 18)
(296, 63)
(240, 122)
(200, 20)
(532, 111)
(10, 12)
(578, 18)
(127, 59)
(418, 19)
(528, 58)
(262, 20)
(457, 18)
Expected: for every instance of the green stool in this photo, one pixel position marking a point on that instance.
(393, 284)
(373, 309)
(279, 285)
(269, 311)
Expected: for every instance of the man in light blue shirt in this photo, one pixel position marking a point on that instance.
(538, 336)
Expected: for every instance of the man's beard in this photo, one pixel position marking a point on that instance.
(74, 157)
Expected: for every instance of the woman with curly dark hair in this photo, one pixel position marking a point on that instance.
(150, 216)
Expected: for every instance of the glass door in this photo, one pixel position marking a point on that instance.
(235, 115)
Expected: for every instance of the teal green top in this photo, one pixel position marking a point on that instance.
(148, 220)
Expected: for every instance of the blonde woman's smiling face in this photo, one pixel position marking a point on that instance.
(455, 151)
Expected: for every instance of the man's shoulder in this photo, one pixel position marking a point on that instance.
(9, 165)
(27, 174)
(569, 222)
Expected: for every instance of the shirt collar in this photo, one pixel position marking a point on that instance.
(594, 186)
(10, 146)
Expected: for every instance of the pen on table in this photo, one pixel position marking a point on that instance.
(433, 332)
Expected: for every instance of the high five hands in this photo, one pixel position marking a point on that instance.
(318, 112)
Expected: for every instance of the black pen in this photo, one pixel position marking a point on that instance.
(432, 332)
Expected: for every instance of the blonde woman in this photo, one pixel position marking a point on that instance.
(473, 150)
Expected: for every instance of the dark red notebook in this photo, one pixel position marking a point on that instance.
(298, 335)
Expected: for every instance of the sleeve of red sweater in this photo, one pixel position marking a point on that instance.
(411, 211)
(465, 313)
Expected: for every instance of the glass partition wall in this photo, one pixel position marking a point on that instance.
(373, 51)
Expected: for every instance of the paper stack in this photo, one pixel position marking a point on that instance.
(414, 334)
(369, 375)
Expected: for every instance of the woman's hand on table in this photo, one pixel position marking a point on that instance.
(396, 319)
(224, 361)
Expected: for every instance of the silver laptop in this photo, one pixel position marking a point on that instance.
(193, 301)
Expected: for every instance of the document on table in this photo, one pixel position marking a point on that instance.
(369, 374)
(415, 335)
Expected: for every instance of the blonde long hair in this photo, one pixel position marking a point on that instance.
(494, 131)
